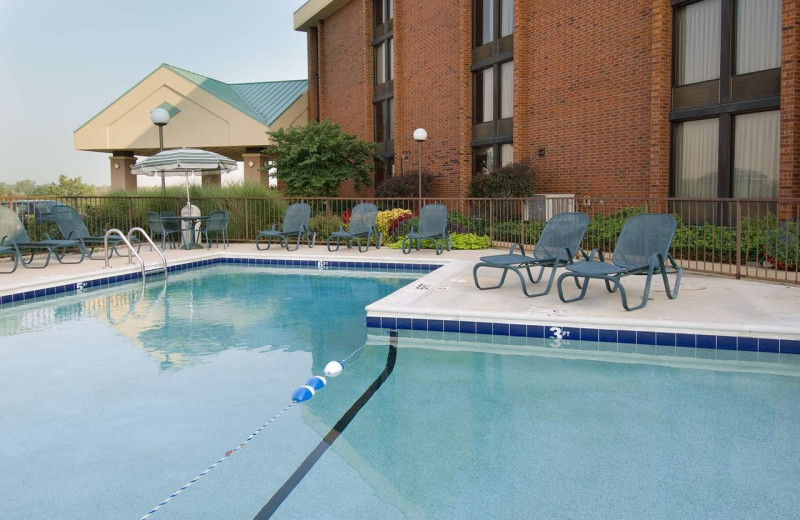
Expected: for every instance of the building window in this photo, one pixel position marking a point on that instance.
(726, 98)
(494, 19)
(383, 92)
(756, 155)
(697, 42)
(493, 82)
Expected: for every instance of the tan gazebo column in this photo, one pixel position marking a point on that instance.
(255, 164)
(121, 176)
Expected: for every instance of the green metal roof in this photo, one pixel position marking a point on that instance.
(264, 101)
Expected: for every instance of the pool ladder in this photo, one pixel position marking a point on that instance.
(131, 252)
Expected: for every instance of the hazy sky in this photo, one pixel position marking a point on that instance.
(62, 62)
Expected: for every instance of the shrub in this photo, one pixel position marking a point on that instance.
(404, 186)
(512, 180)
(389, 222)
(461, 241)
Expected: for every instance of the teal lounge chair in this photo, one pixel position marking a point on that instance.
(295, 224)
(642, 248)
(432, 226)
(20, 242)
(9, 250)
(362, 225)
(72, 227)
(558, 246)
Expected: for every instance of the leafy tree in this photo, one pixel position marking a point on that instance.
(313, 160)
(67, 187)
(512, 180)
(24, 187)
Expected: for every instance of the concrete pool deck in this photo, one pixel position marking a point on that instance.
(706, 304)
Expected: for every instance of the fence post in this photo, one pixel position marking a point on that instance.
(491, 219)
(246, 219)
(522, 221)
(130, 213)
(738, 239)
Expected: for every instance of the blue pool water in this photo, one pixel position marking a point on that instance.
(111, 400)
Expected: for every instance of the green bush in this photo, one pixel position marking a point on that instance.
(404, 186)
(460, 241)
(512, 180)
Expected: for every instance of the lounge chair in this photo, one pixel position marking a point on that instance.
(72, 227)
(19, 241)
(642, 248)
(558, 246)
(295, 224)
(9, 250)
(159, 227)
(432, 226)
(217, 223)
(362, 225)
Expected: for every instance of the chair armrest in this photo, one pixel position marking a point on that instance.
(514, 246)
(595, 252)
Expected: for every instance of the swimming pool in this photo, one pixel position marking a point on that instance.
(110, 401)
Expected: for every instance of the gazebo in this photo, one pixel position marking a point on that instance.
(230, 119)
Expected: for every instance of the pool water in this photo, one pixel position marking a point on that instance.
(111, 400)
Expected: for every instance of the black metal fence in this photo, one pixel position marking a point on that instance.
(732, 237)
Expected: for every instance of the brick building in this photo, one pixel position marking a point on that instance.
(647, 98)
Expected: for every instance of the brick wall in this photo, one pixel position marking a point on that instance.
(586, 84)
(592, 91)
(432, 76)
(789, 183)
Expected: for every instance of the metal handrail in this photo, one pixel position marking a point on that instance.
(131, 252)
(152, 245)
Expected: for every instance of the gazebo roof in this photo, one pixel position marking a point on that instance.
(205, 113)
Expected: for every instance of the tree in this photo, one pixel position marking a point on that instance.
(67, 187)
(313, 160)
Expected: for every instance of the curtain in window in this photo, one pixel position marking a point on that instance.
(380, 64)
(484, 21)
(506, 18)
(507, 90)
(696, 158)
(506, 154)
(758, 35)
(391, 58)
(756, 155)
(697, 46)
(484, 92)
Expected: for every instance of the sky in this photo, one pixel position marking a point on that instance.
(64, 61)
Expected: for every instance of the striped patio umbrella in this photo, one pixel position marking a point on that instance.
(184, 162)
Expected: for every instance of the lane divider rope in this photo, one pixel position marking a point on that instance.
(237, 448)
(220, 461)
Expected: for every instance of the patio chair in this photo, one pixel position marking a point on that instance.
(9, 250)
(362, 225)
(217, 223)
(432, 226)
(295, 224)
(558, 246)
(642, 248)
(19, 241)
(157, 227)
(72, 227)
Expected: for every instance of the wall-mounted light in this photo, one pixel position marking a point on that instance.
(250, 164)
(116, 166)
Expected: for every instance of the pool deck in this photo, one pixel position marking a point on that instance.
(707, 305)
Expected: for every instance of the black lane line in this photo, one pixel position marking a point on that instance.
(277, 499)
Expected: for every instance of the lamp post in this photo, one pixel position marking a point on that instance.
(160, 117)
(420, 135)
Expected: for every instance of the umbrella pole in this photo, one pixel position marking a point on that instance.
(163, 185)
(188, 202)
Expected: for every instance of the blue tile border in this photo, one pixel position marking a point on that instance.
(272, 262)
(627, 340)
